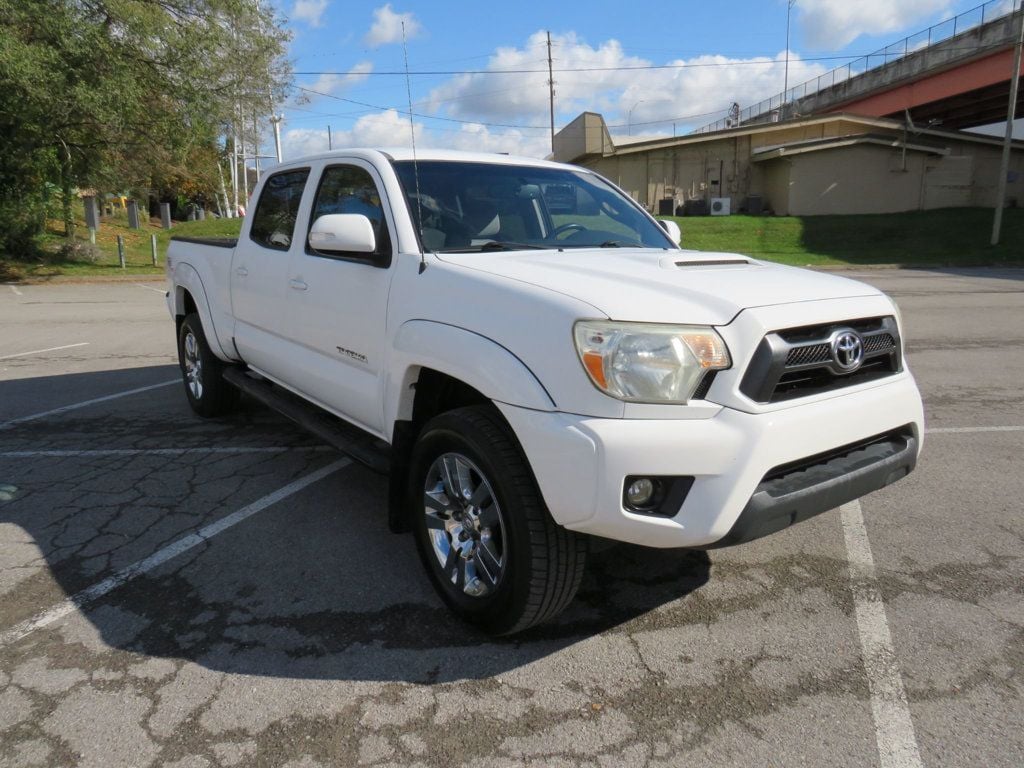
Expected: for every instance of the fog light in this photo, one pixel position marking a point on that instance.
(640, 492)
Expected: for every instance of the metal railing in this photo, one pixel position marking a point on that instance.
(935, 34)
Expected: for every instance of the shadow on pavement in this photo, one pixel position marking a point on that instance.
(313, 586)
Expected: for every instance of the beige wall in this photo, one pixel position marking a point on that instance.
(690, 169)
(987, 162)
(775, 182)
(858, 179)
(874, 179)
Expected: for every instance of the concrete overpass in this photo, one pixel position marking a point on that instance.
(959, 80)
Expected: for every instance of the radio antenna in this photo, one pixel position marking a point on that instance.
(415, 164)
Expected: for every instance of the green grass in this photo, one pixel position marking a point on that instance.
(138, 254)
(949, 237)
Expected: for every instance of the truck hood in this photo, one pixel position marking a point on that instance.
(656, 286)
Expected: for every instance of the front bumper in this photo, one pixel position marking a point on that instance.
(580, 464)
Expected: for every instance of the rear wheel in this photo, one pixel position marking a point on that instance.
(488, 543)
(207, 391)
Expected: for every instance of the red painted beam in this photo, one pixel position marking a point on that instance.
(951, 82)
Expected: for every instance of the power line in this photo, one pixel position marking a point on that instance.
(626, 68)
(420, 114)
(405, 111)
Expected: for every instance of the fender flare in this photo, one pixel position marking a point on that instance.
(465, 355)
(186, 278)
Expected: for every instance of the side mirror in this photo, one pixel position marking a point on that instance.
(343, 233)
(672, 229)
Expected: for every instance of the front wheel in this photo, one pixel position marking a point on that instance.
(488, 543)
(207, 391)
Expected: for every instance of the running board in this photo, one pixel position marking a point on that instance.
(360, 445)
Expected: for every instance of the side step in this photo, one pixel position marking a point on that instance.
(361, 446)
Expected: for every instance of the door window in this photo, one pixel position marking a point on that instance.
(273, 223)
(350, 189)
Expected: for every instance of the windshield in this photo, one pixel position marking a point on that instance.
(469, 207)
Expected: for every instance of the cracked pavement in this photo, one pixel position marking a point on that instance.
(307, 634)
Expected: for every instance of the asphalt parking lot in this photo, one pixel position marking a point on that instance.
(188, 593)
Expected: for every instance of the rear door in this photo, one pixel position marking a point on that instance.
(259, 277)
(337, 302)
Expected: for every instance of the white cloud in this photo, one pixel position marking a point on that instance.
(391, 129)
(691, 92)
(381, 129)
(387, 26)
(833, 24)
(333, 83)
(309, 11)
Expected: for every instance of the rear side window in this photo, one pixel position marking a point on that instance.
(350, 189)
(273, 223)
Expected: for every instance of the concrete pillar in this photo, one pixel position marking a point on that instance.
(92, 213)
(133, 214)
(201, 214)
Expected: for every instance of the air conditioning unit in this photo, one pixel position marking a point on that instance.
(720, 206)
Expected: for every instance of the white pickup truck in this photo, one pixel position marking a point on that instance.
(535, 361)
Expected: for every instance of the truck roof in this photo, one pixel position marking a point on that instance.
(451, 155)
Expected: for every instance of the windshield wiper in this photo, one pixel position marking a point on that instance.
(495, 245)
(506, 245)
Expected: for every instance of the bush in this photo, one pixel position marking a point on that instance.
(21, 223)
(83, 253)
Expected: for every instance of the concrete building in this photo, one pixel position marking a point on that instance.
(834, 163)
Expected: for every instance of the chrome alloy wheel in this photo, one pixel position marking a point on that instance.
(464, 525)
(193, 366)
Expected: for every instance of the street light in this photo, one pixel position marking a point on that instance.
(629, 118)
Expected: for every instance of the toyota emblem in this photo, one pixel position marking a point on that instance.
(847, 351)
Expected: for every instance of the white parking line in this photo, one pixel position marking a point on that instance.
(75, 406)
(894, 728)
(182, 545)
(242, 449)
(967, 430)
(151, 288)
(41, 351)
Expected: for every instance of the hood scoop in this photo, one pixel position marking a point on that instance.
(706, 260)
(715, 263)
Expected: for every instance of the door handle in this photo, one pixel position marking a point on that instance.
(241, 271)
(298, 285)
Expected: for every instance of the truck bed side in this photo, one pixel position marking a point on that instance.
(199, 269)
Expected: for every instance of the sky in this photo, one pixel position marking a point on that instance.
(478, 70)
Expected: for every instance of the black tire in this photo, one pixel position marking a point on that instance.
(541, 563)
(201, 371)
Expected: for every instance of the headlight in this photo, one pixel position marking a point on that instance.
(648, 363)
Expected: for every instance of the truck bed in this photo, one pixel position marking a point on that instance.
(216, 242)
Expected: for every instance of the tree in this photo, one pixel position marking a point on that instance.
(125, 94)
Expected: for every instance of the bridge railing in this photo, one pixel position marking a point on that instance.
(937, 33)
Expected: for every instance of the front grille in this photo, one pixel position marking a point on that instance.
(884, 342)
(815, 353)
(799, 362)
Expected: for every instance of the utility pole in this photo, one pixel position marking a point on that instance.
(551, 94)
(234, 169)
(1004, 167)
(785, 82)
(330, 144)
(276, 120)
(256, 144)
